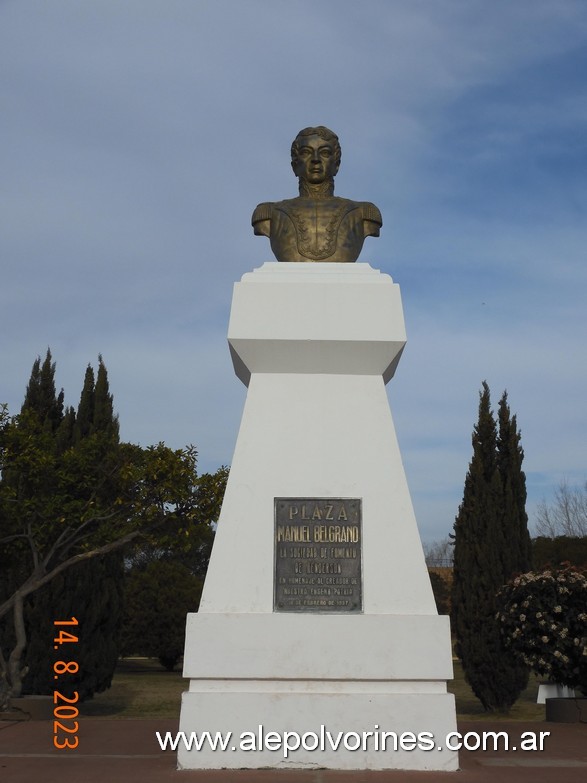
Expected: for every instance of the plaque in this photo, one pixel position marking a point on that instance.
(318, 553)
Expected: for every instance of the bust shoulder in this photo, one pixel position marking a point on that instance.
(372, 213)
(372, 220)
(262, 212)
(261, 220)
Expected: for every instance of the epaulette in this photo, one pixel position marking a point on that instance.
(262, 212)
(372, 213)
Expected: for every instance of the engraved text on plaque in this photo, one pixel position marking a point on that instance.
(318, 545)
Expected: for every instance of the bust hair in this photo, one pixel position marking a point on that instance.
(323, 133)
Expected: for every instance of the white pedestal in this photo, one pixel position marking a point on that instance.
(315, 344)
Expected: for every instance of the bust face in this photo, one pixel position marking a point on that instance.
(315, 162)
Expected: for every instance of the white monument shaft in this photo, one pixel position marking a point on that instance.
(315, 344)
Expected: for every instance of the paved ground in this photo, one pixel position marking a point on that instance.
(125, 751)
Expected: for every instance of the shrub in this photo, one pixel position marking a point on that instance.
(543, 619)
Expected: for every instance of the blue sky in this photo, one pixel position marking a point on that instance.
(138, 136)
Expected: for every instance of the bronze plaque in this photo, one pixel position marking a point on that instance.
(318, 552)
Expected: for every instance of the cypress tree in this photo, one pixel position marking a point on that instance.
(64, 437)
(90, 591)
(104, 420)
(510, 458)
(489, 541)
(40, 395)
(85, 411)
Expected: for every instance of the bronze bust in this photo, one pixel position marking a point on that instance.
(317, 225)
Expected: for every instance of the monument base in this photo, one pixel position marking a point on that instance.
(311, 691)
(317, 615)
(277, 728)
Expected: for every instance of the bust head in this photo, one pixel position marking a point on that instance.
(315, 156)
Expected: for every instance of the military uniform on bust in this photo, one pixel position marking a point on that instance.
(316, 226)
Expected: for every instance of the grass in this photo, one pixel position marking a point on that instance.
(142, 689)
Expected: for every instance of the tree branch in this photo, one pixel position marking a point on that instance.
(35, 581)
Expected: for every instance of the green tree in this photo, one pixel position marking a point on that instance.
(157, 600)
(441, 590)
(70, 494)
(163, 584)
(555, 551)
(517, 555)
(491, 544)
(41, 396)
(91, 591)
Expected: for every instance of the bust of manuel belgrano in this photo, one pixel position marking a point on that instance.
(317, 225)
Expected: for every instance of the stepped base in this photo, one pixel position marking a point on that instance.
(358, 676)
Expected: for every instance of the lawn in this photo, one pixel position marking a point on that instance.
(142, 689)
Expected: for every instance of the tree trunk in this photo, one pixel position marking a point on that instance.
(4, 684)
(15, 671)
